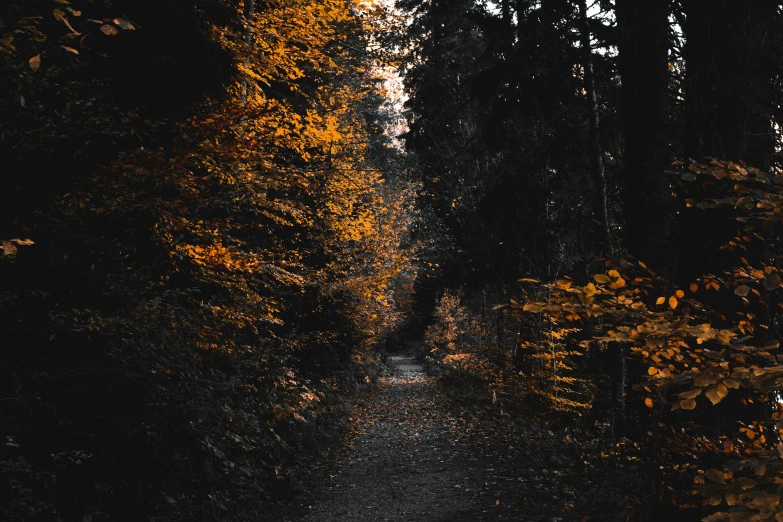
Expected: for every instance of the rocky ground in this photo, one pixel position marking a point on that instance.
(412, 453)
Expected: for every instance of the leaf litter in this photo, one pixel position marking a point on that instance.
(413, 452)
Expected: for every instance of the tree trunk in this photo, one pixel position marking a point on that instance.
(619, 389)
(644, 71)
(505, 10)
(248, 12)
(597, 169)
(729, 59)
(521, 7)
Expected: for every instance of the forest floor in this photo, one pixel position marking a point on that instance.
(414, 453)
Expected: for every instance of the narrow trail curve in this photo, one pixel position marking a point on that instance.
(412, 456)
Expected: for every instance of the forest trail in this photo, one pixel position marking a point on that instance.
(412, 454)
(407, 458)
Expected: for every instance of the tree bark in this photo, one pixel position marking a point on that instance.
(644, 71)
(597, 169)
(249, 10)
(729, 72)
(619, 389)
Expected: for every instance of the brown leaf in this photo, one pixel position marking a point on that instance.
(705, 379)
(601, 279)
(60, 16)
(533, 307)
(716, 393)
(109, 30)
(771, 282)
(733, 499)
(70, 49)
(618, 283)
(725, 336)
(124, 24)
(9, 249)
(742, 290)
(694, 287)
(690, 394)
(715, 475)
(688, 404)
(35, 62)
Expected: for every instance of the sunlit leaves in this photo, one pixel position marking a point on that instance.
(687, 404)
(695, 349)
(716, 393)
(60, 16)
(690, 394)
(124, 24)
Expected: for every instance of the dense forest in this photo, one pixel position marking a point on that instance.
(220, 217)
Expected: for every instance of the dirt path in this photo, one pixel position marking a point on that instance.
(413, 455)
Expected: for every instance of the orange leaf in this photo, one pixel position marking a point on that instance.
(648, 402)
(688, 404)
(694, 287)
(660, 300)
(680, 294)
(673, 302)
(772, 282)
(35, 62)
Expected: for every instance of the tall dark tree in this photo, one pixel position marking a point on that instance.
(730, 60)
(644, 72)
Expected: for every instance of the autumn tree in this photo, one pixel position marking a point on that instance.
(208, 235)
